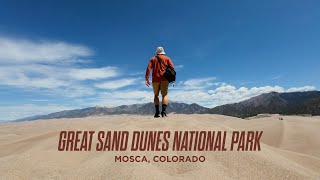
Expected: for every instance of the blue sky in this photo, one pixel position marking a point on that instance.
(57, 55)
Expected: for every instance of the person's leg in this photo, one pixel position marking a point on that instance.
(165, 100)
(156, 99)
(156, 89)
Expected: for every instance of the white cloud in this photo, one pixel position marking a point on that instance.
(29, 77)
(76, 90)
(197, 83)
(46, 64)
(276, 77)
(93, 73)
(304, 88)
(225, 94)
(119, 97)
(27, 110)
(42, 83)
(178, 67)
(225, 88)
(49, 76)
(115, 84)
(39, 100)
(24, 51)
(137, 73)
(129, 94)
(207, 94)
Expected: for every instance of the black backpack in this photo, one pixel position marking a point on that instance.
(170, 73)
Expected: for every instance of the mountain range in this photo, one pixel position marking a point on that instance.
(142, 109)
(293, 103)
(273, 103)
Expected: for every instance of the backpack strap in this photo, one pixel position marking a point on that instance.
(160, 61)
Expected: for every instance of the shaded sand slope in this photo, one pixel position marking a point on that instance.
(290, 150)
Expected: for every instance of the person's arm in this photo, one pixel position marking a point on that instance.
(149, 67)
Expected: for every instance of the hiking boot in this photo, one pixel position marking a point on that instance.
(156, 115)
(163, 114)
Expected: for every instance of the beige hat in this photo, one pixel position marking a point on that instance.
(160, 50)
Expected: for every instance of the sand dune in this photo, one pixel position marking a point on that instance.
(290, 149)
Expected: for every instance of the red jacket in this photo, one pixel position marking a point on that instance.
(157, 68)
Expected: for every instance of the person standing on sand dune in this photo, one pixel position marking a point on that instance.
(159, 83)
